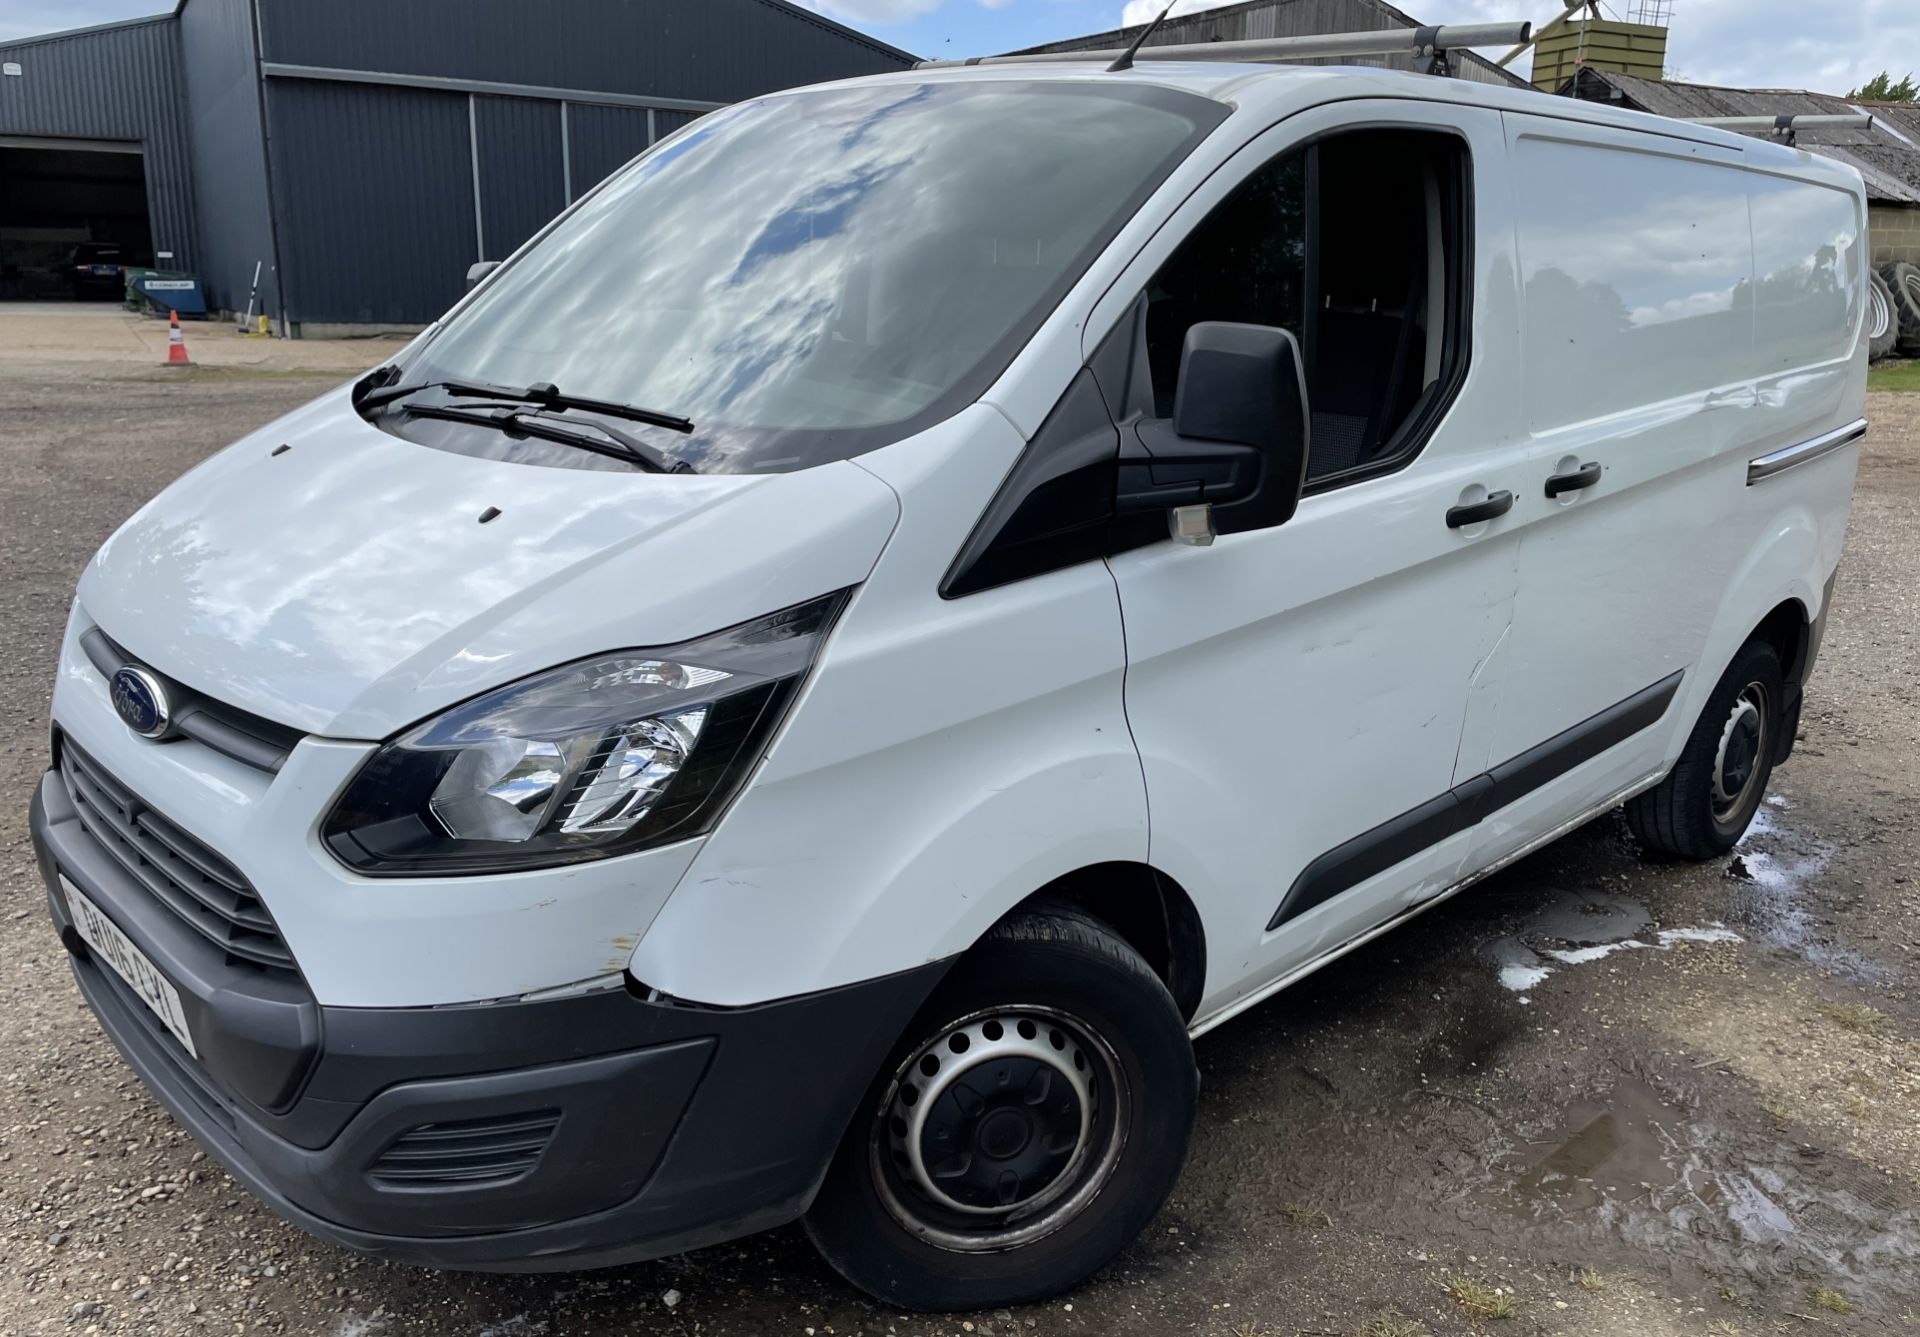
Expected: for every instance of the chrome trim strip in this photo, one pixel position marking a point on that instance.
(1788, 456)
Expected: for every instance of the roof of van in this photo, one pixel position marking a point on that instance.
(1274, 91)
(1886, 153)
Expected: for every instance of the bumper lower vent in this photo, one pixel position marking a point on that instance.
(203, 891)
(465, 1154)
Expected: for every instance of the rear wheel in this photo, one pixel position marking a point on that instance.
(1030, 1125)
(1705, 804)
(1883, 327)
(1903, 286)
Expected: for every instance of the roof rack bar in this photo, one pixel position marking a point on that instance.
(1390, 42)
(1551, 25)
(1783, 128)
(1774, 124)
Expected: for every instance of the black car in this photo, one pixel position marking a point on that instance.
(97, 269)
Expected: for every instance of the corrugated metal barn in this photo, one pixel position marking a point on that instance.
(363, 153)
(1291, 18)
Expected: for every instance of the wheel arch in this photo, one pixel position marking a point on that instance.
(1150, 910)
(1788, 628)
(1774, 593)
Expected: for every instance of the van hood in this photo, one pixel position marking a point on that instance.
(348, 586)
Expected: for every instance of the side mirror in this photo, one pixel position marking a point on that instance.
(1236, 445)
(478, 270)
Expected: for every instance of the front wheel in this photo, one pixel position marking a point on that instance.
(1026, 1130)
(1705, 804)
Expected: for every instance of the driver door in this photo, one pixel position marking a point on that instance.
(1305, 698)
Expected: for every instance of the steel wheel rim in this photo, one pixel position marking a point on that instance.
(1911, 283)
(906, 1180)
(1737, 760)
(1882, 318)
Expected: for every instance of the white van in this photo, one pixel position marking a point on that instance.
(803, 694)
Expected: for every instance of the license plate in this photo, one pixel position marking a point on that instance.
(129, 963)
(106, 269)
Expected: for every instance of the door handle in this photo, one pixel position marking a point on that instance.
(1497, 503)
(1585, 476)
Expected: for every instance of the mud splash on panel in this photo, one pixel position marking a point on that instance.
(1635, 1168)
(1772, 871)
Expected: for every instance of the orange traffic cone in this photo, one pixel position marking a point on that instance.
(176, 346)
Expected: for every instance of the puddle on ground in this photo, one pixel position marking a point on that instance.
(1575, 928)
(1771, 869)
(1770, 872)
(1616, 1148)
(1637, 1168)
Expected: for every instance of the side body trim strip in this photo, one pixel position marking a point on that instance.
(1347, 865)
(1201, 1025)
(1788, 456)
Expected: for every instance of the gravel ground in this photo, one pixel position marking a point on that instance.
(1703, 1122)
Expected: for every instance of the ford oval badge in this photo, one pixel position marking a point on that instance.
(141, 702)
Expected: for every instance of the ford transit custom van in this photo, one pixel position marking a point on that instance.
(803, 694)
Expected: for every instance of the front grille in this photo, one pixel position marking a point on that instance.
(467, 1153)
(227, 729)
(204, 891)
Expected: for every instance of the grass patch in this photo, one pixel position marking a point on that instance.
(1778, 1113)
(1724, 1327)
(1302, 1216)
(1480, 1301)
(1894, 376)
(1856, 1017)
(1825, 1297)
(1387, 1323)
(1589, 1280)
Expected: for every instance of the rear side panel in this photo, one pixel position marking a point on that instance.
(1685, 314)
(1636, 274)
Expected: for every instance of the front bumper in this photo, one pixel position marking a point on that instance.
(515, 1135)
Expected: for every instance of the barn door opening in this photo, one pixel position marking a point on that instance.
(72, 215)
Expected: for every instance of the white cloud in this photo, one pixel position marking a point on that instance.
(873, 11)
(1139, 11)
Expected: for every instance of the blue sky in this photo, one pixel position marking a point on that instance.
(1829, 45)
(969, 28)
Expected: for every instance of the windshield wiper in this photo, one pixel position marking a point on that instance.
(544, 395)
(618, 445)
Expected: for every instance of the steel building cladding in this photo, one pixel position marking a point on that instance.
(360, 156)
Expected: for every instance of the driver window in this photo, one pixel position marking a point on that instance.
(1352, 244)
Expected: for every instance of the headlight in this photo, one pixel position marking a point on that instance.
(594, 758)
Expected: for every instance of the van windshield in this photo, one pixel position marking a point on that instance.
(811, 275)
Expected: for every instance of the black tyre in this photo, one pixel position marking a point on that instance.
(1903, 287)
(1705, 804)
(1027, 1128)
(1883, 327)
